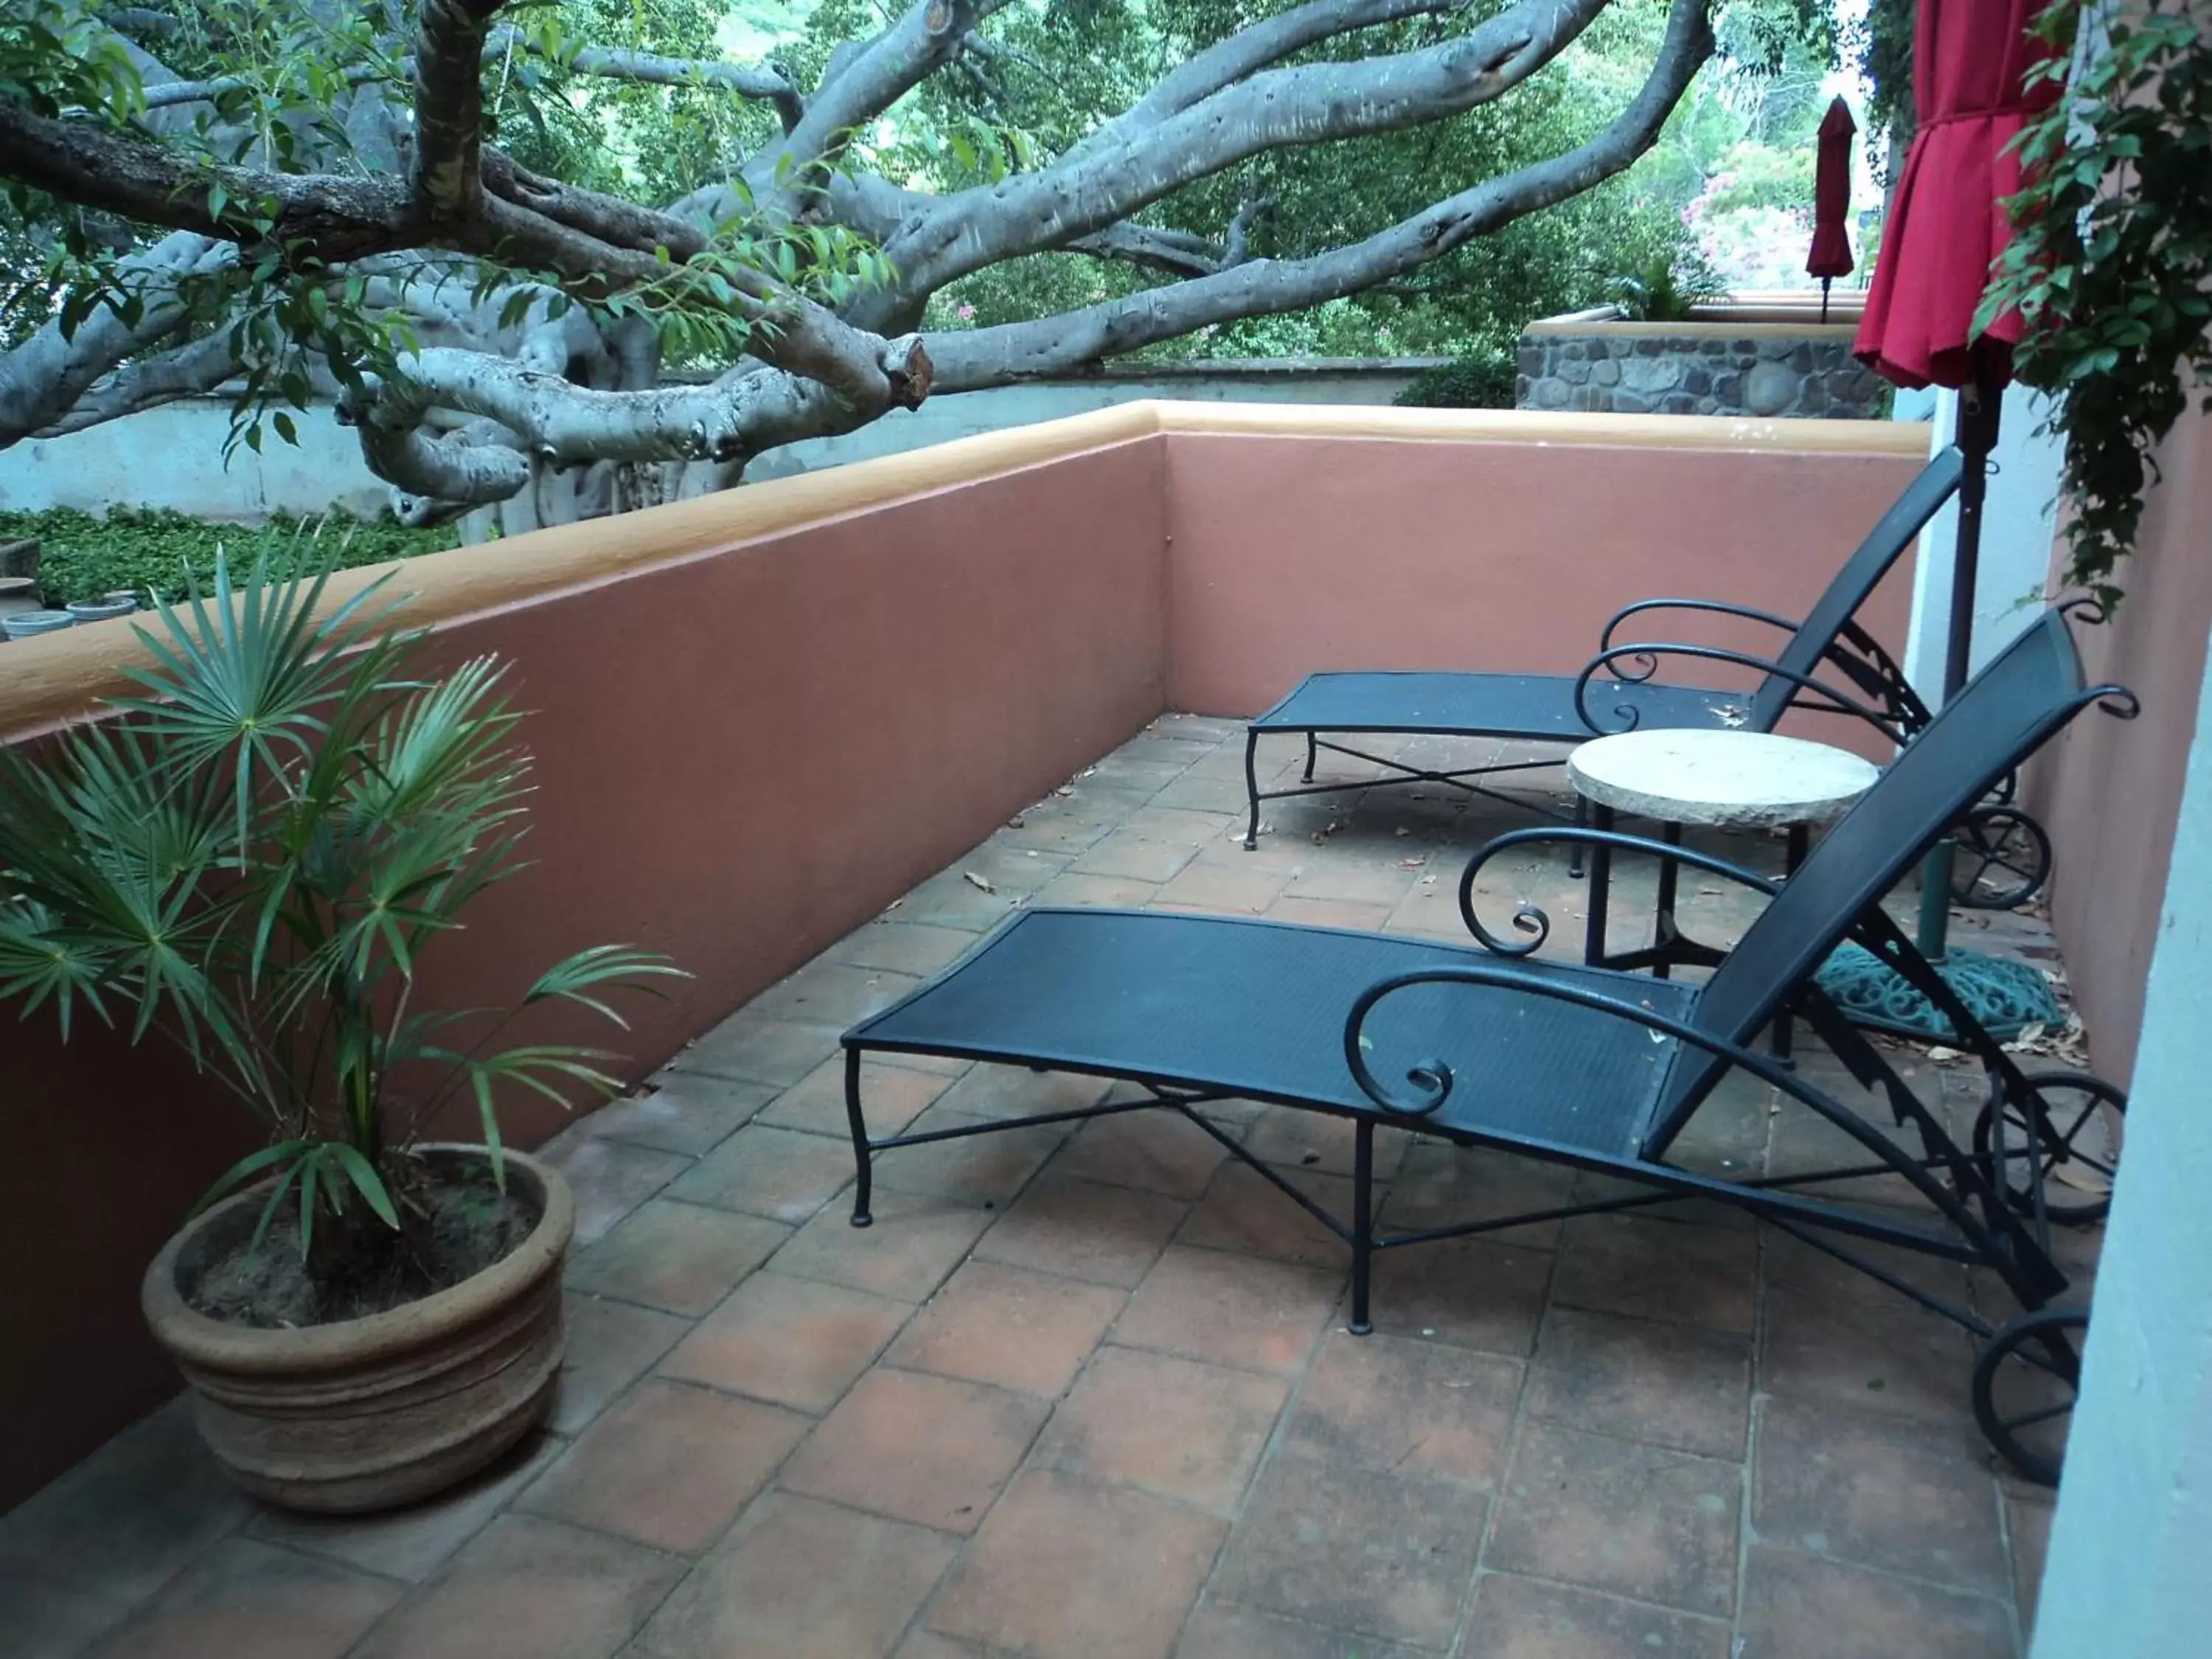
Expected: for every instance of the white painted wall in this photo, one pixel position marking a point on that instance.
(2019, 521)
(2129, 1573)
(173, 457)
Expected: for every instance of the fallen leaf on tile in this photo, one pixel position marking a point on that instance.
(978, 882)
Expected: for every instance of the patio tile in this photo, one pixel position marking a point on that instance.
(904, 947)
(1137, 858)
(1000, 1093)
(796, 1579)
(1879, 1491)
(244, 1599)
(1614, 1515)
(766, 1171)
(528, 1589)
(1084, 1229)
(1066, 1569)
(682, 1258)
(1107, 892)
(1225, 888)
(832, 994)
(1159, 1152)
(677, 1112)
(414, 1542)
(1356, 1548)
(986, 1169)
(1242, 1211)
(671, 1465)
(1194, 793)
(1233, 1311)
(1008, 1326)
(934, 1450)
(891, 1097)
(610, 1346)
(927, 1644)
(610, 1178)
(914, 1242)
(1384, 1402)
(1879, 1353)
(1461, 1291)
(1520, 1619)
(951, 900)
(1797, 1608)
(1221, 1630)
(2027, 1523)
(1705, 1276)
(1315, 1140)
(1172, 1427)
(47, 1620)
(1667, 1385)
(121, 1522)
(1329, 913)
(1067, 824)
(749, 1049)
(1431, 909)
(1376, 884)
(1437, 1184)
(789, 1340)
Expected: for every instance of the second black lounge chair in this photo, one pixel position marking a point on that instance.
(1616, 691)
(1593, 1068)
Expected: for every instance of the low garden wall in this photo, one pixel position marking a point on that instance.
(759, 717)
(1715, 362)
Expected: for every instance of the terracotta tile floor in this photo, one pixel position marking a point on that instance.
(1089, 1394)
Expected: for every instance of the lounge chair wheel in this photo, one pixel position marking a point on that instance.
(2077, 1166)
(2024, 1385)
(2004, 859)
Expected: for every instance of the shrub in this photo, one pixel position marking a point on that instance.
(82, 556)
(1480, 379)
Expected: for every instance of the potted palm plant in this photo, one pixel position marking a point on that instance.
(252, 859)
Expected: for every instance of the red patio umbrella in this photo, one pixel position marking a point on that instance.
(1830, 257)
(1947, 224)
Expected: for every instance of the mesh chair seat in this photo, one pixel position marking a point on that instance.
(1221, 1004)
(1535, 707)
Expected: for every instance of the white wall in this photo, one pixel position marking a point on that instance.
(173, 457)
(2018, 521)
(2131, 1557)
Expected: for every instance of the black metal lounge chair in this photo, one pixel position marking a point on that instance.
(1555, 708)
(1587, 1067)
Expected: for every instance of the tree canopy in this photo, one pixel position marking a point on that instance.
(587, 253)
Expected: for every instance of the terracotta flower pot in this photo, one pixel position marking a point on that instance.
(366, 1413)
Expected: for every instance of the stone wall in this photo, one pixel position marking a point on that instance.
(1637, 369)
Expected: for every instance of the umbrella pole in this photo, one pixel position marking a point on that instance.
(1825, 280)
(1981, 402)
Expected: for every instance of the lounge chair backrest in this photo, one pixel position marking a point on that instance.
(1884, 545)
(1990, 727)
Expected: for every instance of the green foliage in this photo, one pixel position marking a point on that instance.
(2110, 264)
(1482, 380)
(83, 555)
(1665, 288)
(252, 858)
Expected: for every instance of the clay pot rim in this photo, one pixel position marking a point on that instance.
(194, 1337)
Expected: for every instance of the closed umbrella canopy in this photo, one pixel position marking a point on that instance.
(1948, 222)
(1830, 257)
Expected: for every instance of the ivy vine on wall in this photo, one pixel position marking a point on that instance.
(2112, 262)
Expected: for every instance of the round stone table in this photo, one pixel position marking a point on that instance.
(1724, 779)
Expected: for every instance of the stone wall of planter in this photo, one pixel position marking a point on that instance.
(1708, 365)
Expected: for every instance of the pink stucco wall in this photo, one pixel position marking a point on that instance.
(2109, 790)
(1294, 555)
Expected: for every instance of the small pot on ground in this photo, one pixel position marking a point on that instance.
(366, 1414)
(92, 610)
(29, 624)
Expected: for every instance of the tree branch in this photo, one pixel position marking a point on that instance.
(1272, 110)
(1053, 345)
(449, 108)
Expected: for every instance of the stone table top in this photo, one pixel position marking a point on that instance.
(1745, 780)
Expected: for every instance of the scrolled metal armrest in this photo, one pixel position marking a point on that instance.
(1717, 607)
(1433, 1077)
(1647, 656)
(1530, 919)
